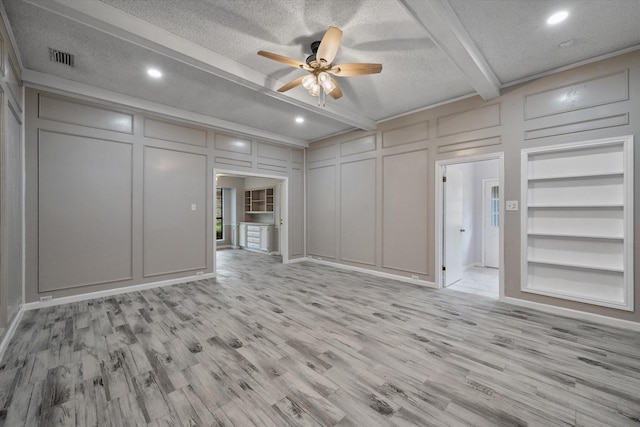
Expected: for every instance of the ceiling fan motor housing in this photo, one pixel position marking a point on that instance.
(314, 49)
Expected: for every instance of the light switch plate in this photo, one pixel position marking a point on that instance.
(193, 206)
(512, 205)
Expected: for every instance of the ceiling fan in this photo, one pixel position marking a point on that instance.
(320, 65)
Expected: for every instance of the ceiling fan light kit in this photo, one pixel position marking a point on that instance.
(320, 65)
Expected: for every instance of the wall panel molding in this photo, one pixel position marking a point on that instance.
(59, 110)
(467, 145)
(357, 146)
(404, 207)
(319, 154)
(467, 121)
(583, 126)
(358, 211)
(173, 132)
(321, 211)
(85, 222)
(233, 144)
(174, 182)
(406, 134)
(588, 93)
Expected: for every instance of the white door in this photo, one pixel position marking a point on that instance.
(453, 226)
(491, 223)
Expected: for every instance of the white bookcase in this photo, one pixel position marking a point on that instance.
(577, 221)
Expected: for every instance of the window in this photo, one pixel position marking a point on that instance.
(219, 210)
(495, 206)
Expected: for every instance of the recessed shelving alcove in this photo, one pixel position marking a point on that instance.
(577, 221)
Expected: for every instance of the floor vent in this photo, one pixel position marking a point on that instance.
(61, 57)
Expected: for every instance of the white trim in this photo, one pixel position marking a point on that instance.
(391, 276)
(11, 330)
(109, 292)
(60, 86)
(12, 39)
(283, 244)
(574, 314)
(440, 164)
(627, 147)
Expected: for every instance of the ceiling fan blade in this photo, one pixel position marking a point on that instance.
(336, 92)
(291, 84)
(329, 45)
(284, 59)
(355, 69)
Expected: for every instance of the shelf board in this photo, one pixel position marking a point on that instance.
(576, 265)
(576, 176)
(576, 236)
(259, 212)
(556, 206)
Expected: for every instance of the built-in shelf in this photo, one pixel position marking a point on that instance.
(574, 236)
(259, 201)
(575, 176)
(577, 218)
(576, 206)
(613, 269)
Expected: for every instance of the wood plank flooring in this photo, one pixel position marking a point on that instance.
(267, 344)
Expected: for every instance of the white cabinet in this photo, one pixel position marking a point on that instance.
(577, 222)
(257, 236)
(242, 233)
(265, 238)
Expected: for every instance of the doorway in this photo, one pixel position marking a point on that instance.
(250, 214)
(468, 218)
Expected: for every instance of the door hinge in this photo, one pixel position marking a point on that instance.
(444, 179)
(444, 268)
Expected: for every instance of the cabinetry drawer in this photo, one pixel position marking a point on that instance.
(253, 234)
(252, 239)
(253, 228)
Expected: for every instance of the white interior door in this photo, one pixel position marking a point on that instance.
(453, 226)
(491, 223)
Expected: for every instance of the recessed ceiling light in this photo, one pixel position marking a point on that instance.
(299, 119)
(557, 17)
(154, 72)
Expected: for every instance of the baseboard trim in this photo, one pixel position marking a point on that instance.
(397, 277)
(574, 314)
(110, 292)
(6, 339)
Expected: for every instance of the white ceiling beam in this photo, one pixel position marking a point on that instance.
(117, 23)
(58, 85)
(442, 24)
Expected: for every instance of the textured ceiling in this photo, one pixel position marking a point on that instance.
(207, 51)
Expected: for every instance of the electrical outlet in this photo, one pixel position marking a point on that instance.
(45, 299)
(511, 205)
(193, 207)
(414, 277)
(199, 273)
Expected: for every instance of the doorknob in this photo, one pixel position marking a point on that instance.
(462, 230)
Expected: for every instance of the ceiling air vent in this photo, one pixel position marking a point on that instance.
(61, 57)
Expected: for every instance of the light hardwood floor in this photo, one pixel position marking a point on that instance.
(268, 344)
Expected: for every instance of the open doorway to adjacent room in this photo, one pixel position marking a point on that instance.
(470, 224)
(249, 215)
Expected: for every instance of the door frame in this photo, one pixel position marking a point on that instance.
(484, 215)
(439, 212)
(283, 208)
